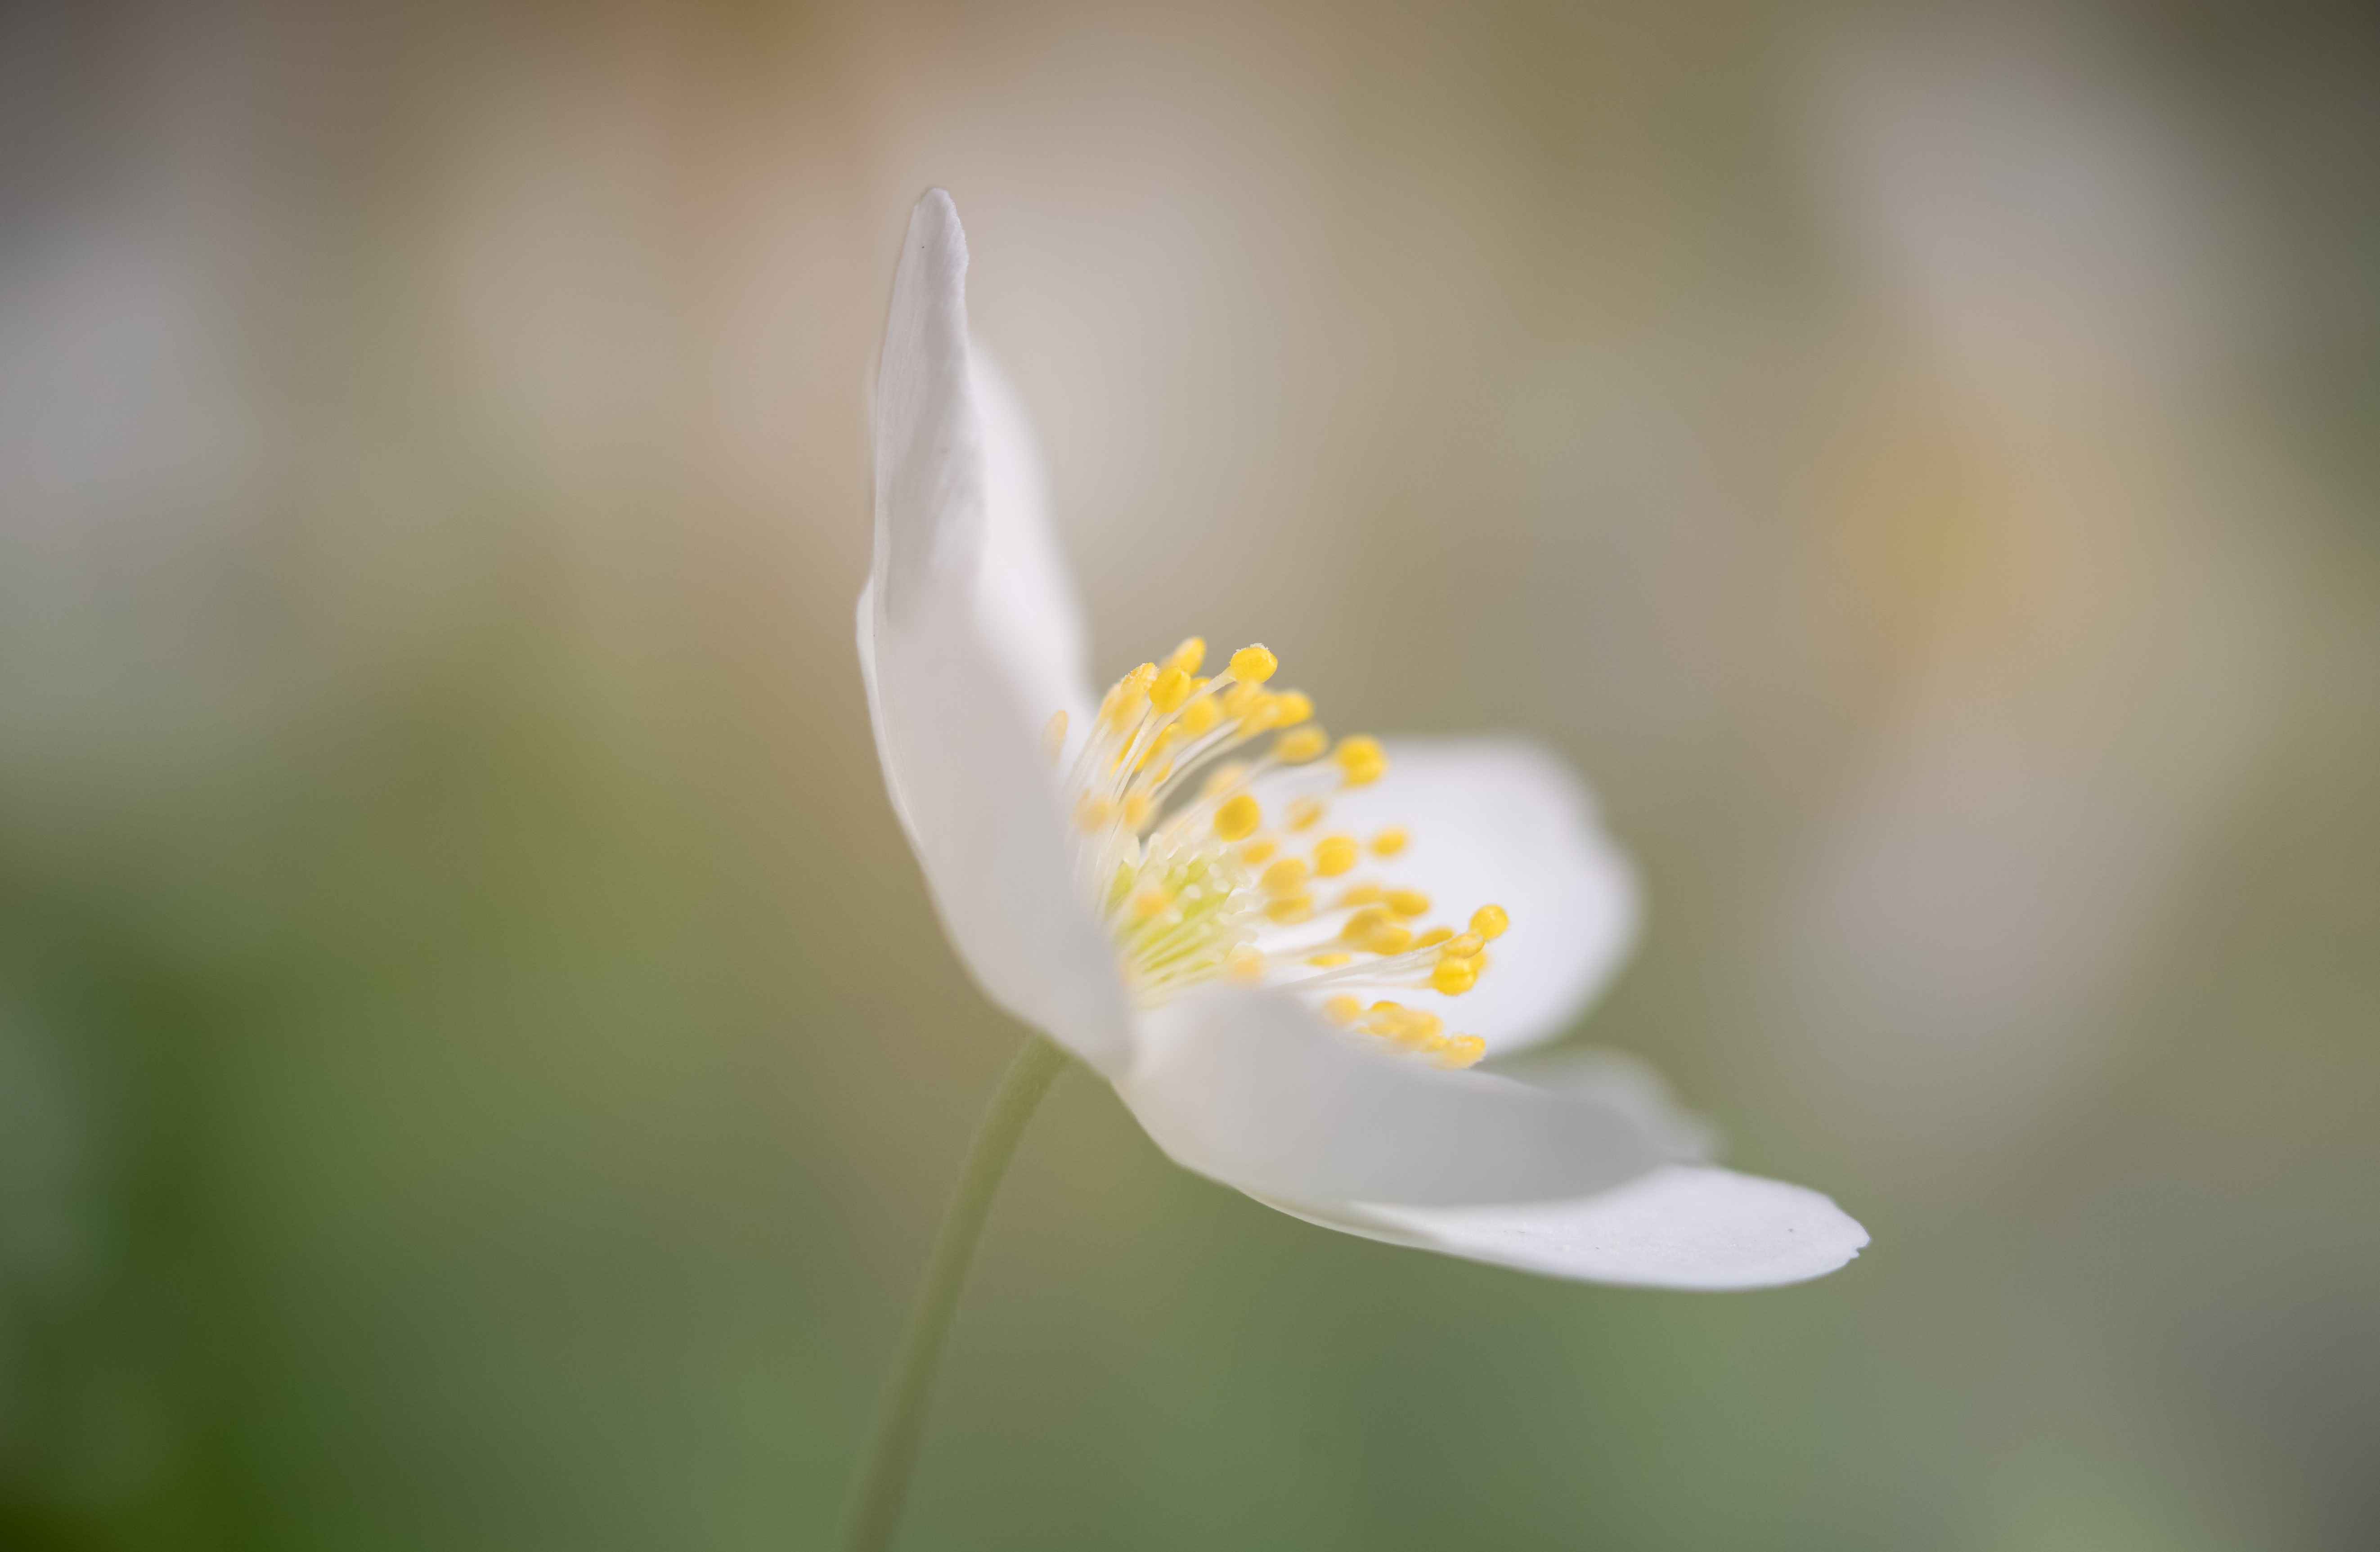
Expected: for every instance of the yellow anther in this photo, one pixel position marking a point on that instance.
(1238, 818)
(1253, 666)
(1434, 937)
(1243, 701)
(1123, 703)
(1304, 813)
(1361, 924)
(1245, 966)
(1290, 708)
(1464, 947)
(1389, 842)
(1135, 810)
(1342, 1009)
(1489, 922)
(1200, 716)
(1296, 909)
(1334, 855)
(1285, 878)
(1255, 852)
(1223, 778)
(1408, 903)
(1053, 734)
(1459, 1051)
(1363, 894)
(1388, 940)
(1453, 977)
(1302, 745)
(1361, 761)
(1330, 961)
(1150, 903)
(1189, 655)
(1408, 1027)
(1095, 813)
(1171, 688)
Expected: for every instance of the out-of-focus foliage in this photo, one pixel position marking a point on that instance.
(477, 1066)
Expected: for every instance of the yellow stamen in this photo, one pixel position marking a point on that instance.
(1389, 842)
(1464, 947)
(1290, 708)
(1453, 977)
(1285, 878)
(1253, 666)
(1171, 689)
(1363, 894)
(1361, 761)
(1094, 813)
(1245, 966)
(1330, 961)
(1459, 1051)
(1489, 922)
(1361, 924)
(1304, 813)
(1334, 855)
(1303, 744)
(1238, 818)
(1255, 852)
(1135, 810)
(1200, 716)
(1131, 692)
(1296, 909)
(1434, 937)
(1342, 1009)
(1388, 940)
(1408, 903)
(1150, 903)
(1189, 655)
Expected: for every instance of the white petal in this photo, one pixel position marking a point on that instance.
(1688, 1226)
(1253, 1089)
(1027, 593)
(962, 754)
(1504, 821)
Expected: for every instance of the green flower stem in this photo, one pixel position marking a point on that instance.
(874, 1506)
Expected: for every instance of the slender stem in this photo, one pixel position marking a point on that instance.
(874, 1506)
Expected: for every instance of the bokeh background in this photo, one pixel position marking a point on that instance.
(477, 1069)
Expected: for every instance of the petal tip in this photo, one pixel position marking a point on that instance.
(934, 219)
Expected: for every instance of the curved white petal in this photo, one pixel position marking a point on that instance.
(1027, 593)
(1682, 1226)
(1620, 1079)
(1505, 822)
(1255, 1090)
(937, 647)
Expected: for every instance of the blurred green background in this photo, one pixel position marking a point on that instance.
(477, 1066)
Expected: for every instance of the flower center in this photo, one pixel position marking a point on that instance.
(1200, 810)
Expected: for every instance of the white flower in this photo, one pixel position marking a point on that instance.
(1187, 887)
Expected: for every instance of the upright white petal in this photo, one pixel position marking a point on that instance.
(1505, 822)
(1253, 1089)
(1026, 591)
(1684, 1227)
(962, 754)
